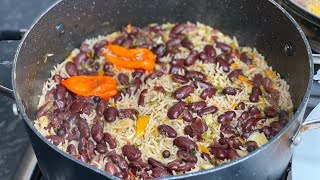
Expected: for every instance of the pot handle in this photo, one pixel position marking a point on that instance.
(305, 126)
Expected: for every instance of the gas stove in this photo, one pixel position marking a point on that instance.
(17, 159)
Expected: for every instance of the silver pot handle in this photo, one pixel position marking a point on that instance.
(316, 58)
(305, 126)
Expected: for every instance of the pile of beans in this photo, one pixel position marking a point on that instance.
(63, 108)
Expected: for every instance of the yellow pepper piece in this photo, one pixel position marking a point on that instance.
(270, 73)
(203, 148)
(142, 123)
(245, 80)
(235, 65)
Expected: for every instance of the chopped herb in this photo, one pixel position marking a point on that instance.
(120, 88)
(212, 160)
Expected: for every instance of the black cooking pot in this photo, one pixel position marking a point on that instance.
(261, 24)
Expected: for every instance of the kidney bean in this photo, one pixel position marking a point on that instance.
(247, 126)
(118, 96)
(224, 47)
(154, 163)
(79, 60)
(240, 106)
(120, 162)
(173, 43)
(140, 165)
(222, 63)
(50, 94)
(160, 172)
(101, 107)
(176, 110)
(165, 154)
(82, 145)
(266, 83)
(205, 156)
(77, 106)
(183, 92)
(131, 152)
(141, 97)
(232, 154)
(57, 78)
(186, 156)
(177, 29)
(153, 75)
(226, 117)
(267, 130)
(128, 113)
(203, 56)
(43, 109)
(167, 130)
(276, 127)
(127, 42)
(71, 69)
(270, 112)
(159, 50)
(192, 57)
(137, 73)
(110, 114)
(61, 131)
(230, 91)
(101, 148)
(209, 92)
(235, 143)
(134, 86)
(197, 106)
(257, 79)
(97, 132)
(98, 46)
(188, 131)
(210, 51)
(185, 143)
(109, 139)
(219, 153)
(254, 97)
(177, 62)
(234, 74)
(251, 146)
(180, 79)
(253, 110)
(195, 75)
(244, 57)
(187, 116)
(111, 168)
(208, 110)
(84, 157)
(74, 134)
(175, 69)
(55, 139)
(84, 47)
(87, 108)
(84, 131)
(198, 126)
(229, 58)
(187, 44)
(71, 149)
(123, 79)
(159, 89)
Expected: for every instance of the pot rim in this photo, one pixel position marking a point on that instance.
(187, 175)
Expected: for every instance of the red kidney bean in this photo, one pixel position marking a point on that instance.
(185, 143)
(128, 113)
(111, 168)
(140, 165)
(77, 106)
(192, 57)
(79, 60)
(210, 51)
(267, 130)
(43, 109)
(234, 74)
(219, 153)
(251, 146)
(84, 129)
(59, 104)
(55, 139)
(222, 63)
(175, 69)
(247, 126)
(188, 131)
(179, 166)
(90, 149)
(187, 116)
(127, 42)
(123, 79)
(183, 92)
(84, 47)
(165, 154)
(197, 106)
(177, 29)
(118, 40)
(167, 130)
(74, 134)
(230, 91)
(101, 148)
(160, 172)
(110, 114)
(257, 80)
(154, 163)
(235, 143)
(240, 106)
(118, 96)
(71, 149)
(180, 79)
(153, 75)
(98, 46)
(266, 83)
(57, 78)
(82, 145)
(120, 162)
(198, 126)
(159, 50)
(134, 86)
(195, 75)
(256, 90)
(276, 127)
(101, 107)
(230, 58)
(283, 117)
(254, 97)
(87, 108)
(208, 93)
(109, 139)
(244, 57)
(244, 115)
(177, 62)
(71, 69)
(205, 156)
(96, 99)
(141, 97)
(61, 131)
(187, 44)
(173, 43)
(176, 110)
(232, 154)
(186, 156)
(208, 110)
(203, 56)
(50, 94)
(253, 110)
(137, 73)
(270, 112)
(224, 47)
(226, 117)
(131, 152)
(97, 132)
(159, 89)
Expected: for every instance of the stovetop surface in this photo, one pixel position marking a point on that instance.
(17, 14)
